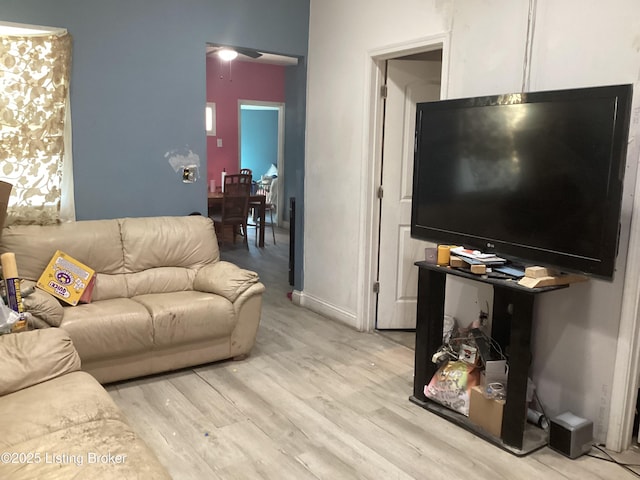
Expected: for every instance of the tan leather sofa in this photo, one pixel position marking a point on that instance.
(163, 300)
(57, 422)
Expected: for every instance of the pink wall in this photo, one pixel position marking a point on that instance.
(227, 82)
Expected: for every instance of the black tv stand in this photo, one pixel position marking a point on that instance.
(511, 328)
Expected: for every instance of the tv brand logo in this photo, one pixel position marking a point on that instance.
(490, 245)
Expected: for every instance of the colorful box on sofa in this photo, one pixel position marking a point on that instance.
(65, 278)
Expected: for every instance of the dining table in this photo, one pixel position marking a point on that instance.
(256, 201)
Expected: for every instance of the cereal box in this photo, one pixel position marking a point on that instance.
(65, 278)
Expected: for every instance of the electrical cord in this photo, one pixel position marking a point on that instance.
(535, 394)
(627, 466)
(495, 345)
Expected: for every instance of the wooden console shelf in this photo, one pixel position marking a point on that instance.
(511, 328)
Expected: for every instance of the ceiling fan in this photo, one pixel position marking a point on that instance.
(247, 52)
(251, 55)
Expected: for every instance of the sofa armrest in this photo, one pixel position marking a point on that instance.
(35, 356)
(225, 279)
(42, 305)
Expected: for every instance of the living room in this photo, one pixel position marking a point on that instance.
(138, 91)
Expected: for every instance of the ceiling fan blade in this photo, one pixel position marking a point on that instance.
(249, 52)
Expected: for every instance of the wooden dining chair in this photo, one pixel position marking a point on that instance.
(238, 184)
(235, 207)
(248, 171)
(270, 207)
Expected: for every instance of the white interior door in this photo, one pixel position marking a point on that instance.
(408, 82)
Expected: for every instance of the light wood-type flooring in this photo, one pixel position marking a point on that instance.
(317, 400)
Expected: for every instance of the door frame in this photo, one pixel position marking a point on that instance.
(625, 382)
(409, 81)
(371, 162)
(280, 107)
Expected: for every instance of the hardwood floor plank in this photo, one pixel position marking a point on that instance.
(326, 465)
(207, 400)
(236, 388)
(263, 454)
(388, 446)
(317, 429)
(170, 445)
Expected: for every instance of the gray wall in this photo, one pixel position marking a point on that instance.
(138, 90)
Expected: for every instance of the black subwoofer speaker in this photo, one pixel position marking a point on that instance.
(570, 435)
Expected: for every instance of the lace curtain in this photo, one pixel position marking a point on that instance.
(34, 86)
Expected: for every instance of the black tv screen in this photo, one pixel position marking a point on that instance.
(535, 176)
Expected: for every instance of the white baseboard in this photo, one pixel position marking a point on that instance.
(324, 308)
(296, 297)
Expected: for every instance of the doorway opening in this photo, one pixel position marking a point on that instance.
(408, 78)
(432, 54)
(261, 147)
(255, 79)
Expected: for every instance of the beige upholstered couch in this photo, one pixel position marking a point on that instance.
(163, 300)
(57, 422)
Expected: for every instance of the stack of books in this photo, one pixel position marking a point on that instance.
(474, 257)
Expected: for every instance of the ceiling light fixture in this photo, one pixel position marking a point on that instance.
(227, 54)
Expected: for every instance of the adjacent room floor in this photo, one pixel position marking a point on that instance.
(316, 400)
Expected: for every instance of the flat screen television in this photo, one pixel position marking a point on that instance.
(535, 177)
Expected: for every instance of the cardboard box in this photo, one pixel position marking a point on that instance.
(486, 413)
(65, 278)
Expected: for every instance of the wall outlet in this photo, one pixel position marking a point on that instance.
(189, 174)
(219, 142)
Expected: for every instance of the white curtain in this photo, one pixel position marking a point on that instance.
(35, 126)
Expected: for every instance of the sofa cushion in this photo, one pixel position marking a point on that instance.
(108, 328)
(226, 279)
(102, 449)
(109, 286)
(160, 280)
(151, 242)
(73, 416)
(114, 248)
(42, 305)
(32, 357)
(183, 317)
(50, 409)
(96, 243)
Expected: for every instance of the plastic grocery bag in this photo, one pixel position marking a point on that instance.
(8, 318)
(451, 385)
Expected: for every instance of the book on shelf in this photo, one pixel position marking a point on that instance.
(476, 257)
